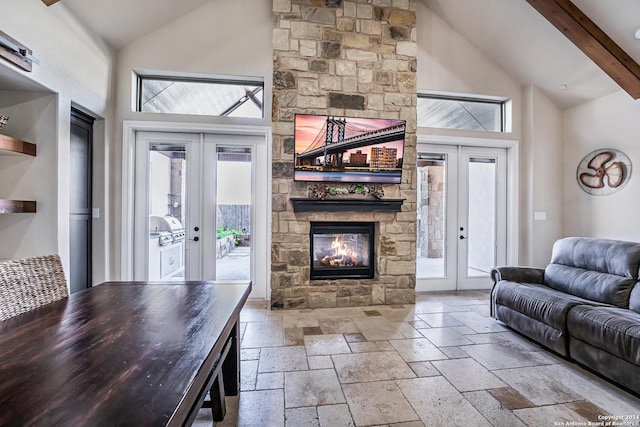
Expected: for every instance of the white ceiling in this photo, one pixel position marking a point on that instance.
(510, 32)
(522, 42)
(119, 22)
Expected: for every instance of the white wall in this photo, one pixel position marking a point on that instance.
(77, 69)
(219, 38)
(609, 122)
(73, 62)
(543, 168)
(450, 63)
(32, 116)
(447, 62)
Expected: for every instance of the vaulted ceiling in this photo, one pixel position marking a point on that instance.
(528, 47)
(510, 32)
(119, 22)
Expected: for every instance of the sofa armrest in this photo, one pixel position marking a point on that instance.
(513, 274)
(518, 274)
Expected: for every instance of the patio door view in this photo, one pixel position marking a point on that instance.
(195, 207)
(461, 216)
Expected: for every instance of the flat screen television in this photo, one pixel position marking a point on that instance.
(348, 149)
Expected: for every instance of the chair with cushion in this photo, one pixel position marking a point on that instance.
(29, 283)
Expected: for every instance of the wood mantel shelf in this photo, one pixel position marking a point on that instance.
(346, 205)
(17, 206)
(13, 145)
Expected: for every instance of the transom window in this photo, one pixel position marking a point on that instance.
(464, 112)
(227, 97)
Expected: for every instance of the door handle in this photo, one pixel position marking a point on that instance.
(196, 238)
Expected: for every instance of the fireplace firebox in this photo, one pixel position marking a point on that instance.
(342, 250)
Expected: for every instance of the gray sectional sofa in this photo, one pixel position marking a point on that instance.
(585, 305)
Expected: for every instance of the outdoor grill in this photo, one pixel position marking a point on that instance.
(167, 228)
(166, 247)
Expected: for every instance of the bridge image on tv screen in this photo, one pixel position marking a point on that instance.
(348, 149)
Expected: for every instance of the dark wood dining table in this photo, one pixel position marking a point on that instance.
(121, 353)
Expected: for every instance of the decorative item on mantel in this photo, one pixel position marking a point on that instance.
(321, 191)
(3, 121)
(357, 197)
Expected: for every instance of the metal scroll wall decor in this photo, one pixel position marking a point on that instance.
(603, 172)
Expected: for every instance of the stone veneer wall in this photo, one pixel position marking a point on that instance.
(357, 58)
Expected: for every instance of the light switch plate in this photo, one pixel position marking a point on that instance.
(540, 216)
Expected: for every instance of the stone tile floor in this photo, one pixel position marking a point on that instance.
(440, 362)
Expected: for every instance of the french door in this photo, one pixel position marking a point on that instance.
(197, 214)
(462, 221)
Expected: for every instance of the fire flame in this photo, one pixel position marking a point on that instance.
(340, 247)
(341, 254)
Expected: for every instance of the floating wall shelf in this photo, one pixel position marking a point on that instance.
(13, 145)
(10, 145)
(17, 206)
(346, 205)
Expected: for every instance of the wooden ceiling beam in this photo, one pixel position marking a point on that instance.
(49, 2)
(591, 40)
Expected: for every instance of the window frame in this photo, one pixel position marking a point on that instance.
(208, 79)
(480, 99)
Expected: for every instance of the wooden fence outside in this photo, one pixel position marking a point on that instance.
(235, 217)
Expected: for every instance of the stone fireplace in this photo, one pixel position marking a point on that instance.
(346, 59)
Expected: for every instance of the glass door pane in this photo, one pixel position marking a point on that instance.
(482, 215)
(481, 231)
(234, 166)
(167, 201)
(437, 196)
(431, 196)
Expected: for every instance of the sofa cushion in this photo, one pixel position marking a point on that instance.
(592, 285)
(602, 255)
(612, 329)
(634, 299)
(536, 330)
(596, 269)
(537, 301)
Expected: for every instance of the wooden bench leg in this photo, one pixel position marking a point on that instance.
(231, 364)
(218, 406)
